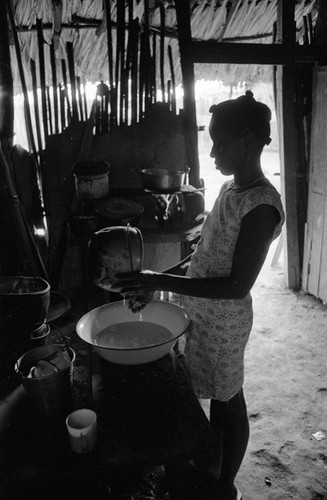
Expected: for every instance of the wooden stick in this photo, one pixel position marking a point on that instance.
(36, 105)
(173, 83)
(306, 31)
(147, 57)
(80, 100)
(66, 94)
(154, 67)
(120, 50)
(142, 69)
(54, 88)
(128, 63)
(6, 80)
(71, 71)
(47, 93)
(311, 30)
(134, 70)
(112, 84)
(42, 77)
(62, 107)
(84, 101)
(162, 51)
(169, 95)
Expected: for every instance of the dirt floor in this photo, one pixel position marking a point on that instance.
(286, 392)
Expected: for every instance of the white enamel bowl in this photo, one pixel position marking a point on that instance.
(162, 313)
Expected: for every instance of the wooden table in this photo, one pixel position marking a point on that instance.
(148, 415)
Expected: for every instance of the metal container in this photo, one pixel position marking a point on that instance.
(162, 180)
(114, 250)
(157, 312)
(50, 394)
(91, 179)
(24, 304)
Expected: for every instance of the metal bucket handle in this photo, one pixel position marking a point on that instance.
(128, 228)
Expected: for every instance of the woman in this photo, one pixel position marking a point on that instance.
(235, 238)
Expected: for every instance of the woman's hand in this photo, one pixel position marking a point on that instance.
(138, 287)
(137, 301)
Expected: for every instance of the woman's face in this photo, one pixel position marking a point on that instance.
(228, 151)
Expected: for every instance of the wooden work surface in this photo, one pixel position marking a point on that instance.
(146, 415)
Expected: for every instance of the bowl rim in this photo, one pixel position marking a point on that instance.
(128, 349)
(36, 279)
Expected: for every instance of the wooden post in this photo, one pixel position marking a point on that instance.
(321, 24)
(6, 80)
(190, 123)
(289, 148)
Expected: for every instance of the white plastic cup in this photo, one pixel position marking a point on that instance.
(82, 430)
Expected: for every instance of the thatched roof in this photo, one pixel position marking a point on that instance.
(82, 22)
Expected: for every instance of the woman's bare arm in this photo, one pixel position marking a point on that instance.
(251, 249)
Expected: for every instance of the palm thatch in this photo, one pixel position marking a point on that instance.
(83, 23)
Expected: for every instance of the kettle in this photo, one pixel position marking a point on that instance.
(112, 251)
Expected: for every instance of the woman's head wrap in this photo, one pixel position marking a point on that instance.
(236, 115)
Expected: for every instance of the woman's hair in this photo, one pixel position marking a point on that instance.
(245, 112)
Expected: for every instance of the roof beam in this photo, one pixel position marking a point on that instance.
(257, 53)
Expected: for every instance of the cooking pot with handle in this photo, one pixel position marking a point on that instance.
(114, 250)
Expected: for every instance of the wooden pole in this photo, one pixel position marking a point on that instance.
(134, 70)
(112, 82)
(71, 70)
(321, 24)
(120, 57)
(36, 106)
(54, 87)
(6, 80)
(190, 123)
(162, 51)
(42, 77)
(289, 149)
(65, 90)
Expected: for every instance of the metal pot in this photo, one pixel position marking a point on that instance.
(24, 304)
(114, 250)
(91, 179)
(162, 180)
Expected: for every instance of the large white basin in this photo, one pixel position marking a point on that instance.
(162, 313)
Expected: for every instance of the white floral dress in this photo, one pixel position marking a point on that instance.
(215, 345)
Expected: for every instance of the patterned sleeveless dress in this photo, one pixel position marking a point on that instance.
(215, 344)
